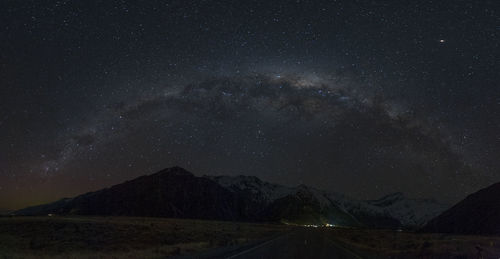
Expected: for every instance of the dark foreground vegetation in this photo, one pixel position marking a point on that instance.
(122, 237)
(141, 237)
(395, 244)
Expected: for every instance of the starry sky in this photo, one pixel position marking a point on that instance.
(358, 97)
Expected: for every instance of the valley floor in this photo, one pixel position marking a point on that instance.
(399, 244)
(122, 237)
(137, 237)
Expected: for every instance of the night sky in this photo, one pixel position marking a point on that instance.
(364, 98)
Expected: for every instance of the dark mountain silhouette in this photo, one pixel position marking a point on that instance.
(478, 213)
(176, 193)
(173, 192)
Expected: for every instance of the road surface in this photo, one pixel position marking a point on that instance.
(303, 243)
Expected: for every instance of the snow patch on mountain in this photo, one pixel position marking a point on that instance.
(409, 212)
(261, 190)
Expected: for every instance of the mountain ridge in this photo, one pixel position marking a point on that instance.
(175, 192)
(478, 213)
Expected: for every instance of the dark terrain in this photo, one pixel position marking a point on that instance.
(479, 213)
(177, 193)
(123, 237)
(139, 237)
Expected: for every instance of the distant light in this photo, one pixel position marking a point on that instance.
(311, 226)
(442, 41)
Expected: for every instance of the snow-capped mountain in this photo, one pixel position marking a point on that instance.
(410, 212)
(300, 205)
(260, 191)
(394, 210)
(269, 192)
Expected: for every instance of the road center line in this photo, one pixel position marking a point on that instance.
(258, 246)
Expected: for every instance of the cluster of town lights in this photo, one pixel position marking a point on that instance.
(328, 225)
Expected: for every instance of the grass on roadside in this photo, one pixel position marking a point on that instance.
(121, 237)
(394, 244)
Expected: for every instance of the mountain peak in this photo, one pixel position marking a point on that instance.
(175, 170)
(240, 180)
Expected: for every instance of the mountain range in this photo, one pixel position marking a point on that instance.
(175, 192)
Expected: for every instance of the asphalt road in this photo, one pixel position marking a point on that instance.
(304, 243)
